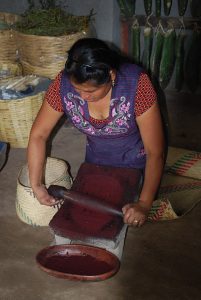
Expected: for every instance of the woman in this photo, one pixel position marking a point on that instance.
(115, 105)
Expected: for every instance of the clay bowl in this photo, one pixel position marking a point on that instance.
(78, 262)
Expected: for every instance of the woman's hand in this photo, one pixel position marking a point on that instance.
(135, 213)
(43, 197)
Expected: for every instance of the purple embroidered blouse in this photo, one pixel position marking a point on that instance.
(116, 142)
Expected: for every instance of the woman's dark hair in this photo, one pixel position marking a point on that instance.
(91, 59)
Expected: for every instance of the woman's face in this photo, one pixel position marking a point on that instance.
(91, 92)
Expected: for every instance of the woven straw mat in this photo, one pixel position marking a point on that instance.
(180, 189)
(184, 162)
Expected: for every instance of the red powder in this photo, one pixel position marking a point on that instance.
(77, 265)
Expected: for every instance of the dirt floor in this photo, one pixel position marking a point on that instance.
(161, 260)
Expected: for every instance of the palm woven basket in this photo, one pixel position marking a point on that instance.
(16, 119)
(8, 46)
(9, 18)
(28, 209)
(9, 69)
(45, 55)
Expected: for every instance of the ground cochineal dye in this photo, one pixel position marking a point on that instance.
(80, 265)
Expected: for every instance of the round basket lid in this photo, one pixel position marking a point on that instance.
(78, 262)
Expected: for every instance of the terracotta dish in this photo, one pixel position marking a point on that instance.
(78, 262)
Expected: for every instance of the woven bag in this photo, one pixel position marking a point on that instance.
(28, 209)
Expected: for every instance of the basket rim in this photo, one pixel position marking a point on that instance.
(71, 35)
(19, 183)
(13, 101)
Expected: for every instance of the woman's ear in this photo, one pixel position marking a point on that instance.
(112, 75)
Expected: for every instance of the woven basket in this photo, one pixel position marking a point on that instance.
(8, 46)
(28, 209)
(8, 70)
(184, 162)
(49, 71)
(9, 18)
(45, 55)
(16, 119)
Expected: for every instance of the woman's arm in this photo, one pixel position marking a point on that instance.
(150, 126)
(36, 152)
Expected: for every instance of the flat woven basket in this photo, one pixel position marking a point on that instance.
(45, 55)
(28, 209)
(16, 119)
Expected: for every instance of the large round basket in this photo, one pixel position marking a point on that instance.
(8, 47)
(9, 18)
(16, 119)
(10, 69)
(28, 209)
(45, 55)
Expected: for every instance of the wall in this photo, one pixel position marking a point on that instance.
(104, 15)
(13, 6)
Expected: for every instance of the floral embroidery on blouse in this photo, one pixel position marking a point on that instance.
(118, 122)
